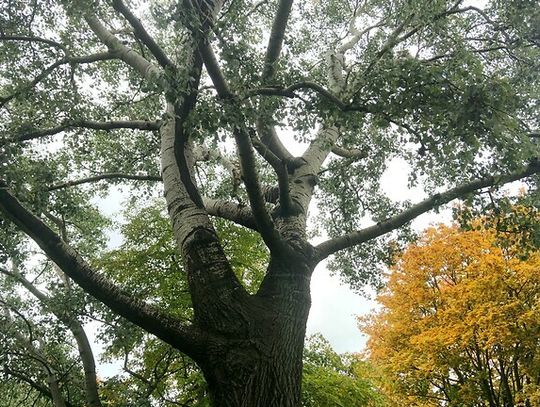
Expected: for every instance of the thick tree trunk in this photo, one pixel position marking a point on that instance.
(263, 366)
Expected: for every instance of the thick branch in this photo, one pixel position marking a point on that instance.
(354, 238)
(239, 214)
(271, 141)
(265, 128)
(142, 34)
(352, 153)
(214, 71)
(213, 284)
(275, 43)
(184, 338)
(245, 152)
(249, 174)
(145, 68)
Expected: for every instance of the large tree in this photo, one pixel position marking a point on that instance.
(204, 98)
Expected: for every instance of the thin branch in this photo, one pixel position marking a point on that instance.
(360, 236)
(184, 338)
(395, 38)
(86, 124)
(474, 51)
(36, 386)
(100, 56)
(142, 34)
(72, 323)
(482, 13)
(392, 41)
(237, 213)
(34, 39)
(289, 92)
(107, 176)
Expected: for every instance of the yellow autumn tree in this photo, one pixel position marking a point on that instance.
(460, 322)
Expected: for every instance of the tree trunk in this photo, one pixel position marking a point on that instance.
(56, 394)
(263, 365)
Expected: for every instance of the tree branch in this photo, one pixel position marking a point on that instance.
(395, 38)
(72, 323)
(101, 56)
(249, 174)
(86, 124)
(33, 39)
(145, 68)
(184, 338)
(111, 175)
(289, 92)
(354, 238)
(143, 35)
(265, 224)
(33, 384)
(277, 34)
(345, 153)
(264, 127)
(214, 71)
(236, 213)
(266, 153)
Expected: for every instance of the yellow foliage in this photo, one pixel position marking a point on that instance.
(460, 322)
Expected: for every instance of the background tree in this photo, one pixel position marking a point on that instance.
(101, 92)
(459, 324)
(336, 380)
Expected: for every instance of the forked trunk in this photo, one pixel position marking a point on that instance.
(263, 367)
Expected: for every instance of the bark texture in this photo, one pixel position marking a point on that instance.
(262, 364)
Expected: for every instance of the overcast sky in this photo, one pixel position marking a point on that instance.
(335, 306)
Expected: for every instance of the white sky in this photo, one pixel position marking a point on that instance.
(335, 306)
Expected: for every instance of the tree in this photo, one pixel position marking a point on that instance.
(335, 380)
(102, 93)
(459, 324)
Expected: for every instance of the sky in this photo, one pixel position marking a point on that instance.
(335, 307)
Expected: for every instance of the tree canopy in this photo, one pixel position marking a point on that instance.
(459, 321)
(209, 104)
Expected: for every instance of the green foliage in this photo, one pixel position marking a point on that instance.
(147, 264)
(333, 380)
